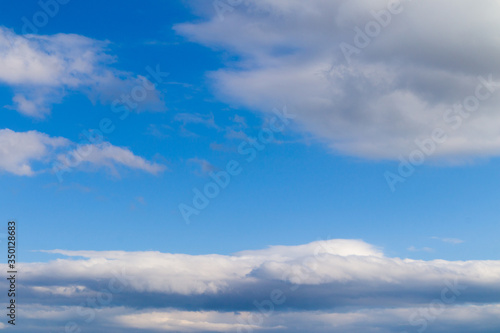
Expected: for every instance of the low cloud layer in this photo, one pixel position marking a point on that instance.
(334, 285)
(371, 78)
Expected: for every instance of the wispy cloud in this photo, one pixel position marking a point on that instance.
(110, 157)
(160, 131)
(449, 240)
(207, 120)
(203, 167)
(28, 153)
(221, 147)
(138, 200)
(423, 249)
(43, 69)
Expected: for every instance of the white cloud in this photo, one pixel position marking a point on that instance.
(29, 107)
(108, 156)
(395, 90)
(18, 150)
(340, 247)
(23, 152)
(315, 264)
(43, 69)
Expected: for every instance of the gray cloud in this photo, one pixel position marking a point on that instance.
(400, 84)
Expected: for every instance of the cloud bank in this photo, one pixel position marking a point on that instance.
(325, 286)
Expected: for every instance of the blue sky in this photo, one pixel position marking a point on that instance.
(293, 192)
(324, 176)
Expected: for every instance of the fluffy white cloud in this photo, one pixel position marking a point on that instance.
(325, 286)
(399, 82)
(316, 264)
(20, 152)
(42, 69)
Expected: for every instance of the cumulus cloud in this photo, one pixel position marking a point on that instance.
(18, 150)
(315, 265)
(418, 71)
(43, 69)
(334, 285)
(22, 152)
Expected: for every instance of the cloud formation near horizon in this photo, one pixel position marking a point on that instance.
(372, 78)
(335, 286)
